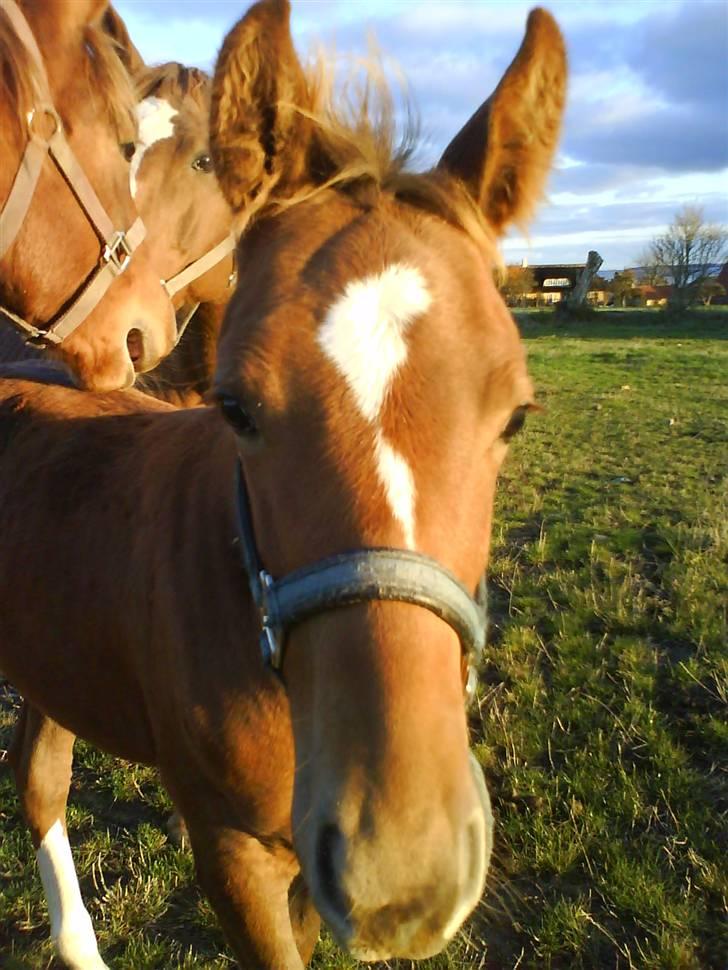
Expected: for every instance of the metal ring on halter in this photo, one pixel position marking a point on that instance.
(48, 111)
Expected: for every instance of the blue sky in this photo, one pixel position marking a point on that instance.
(646, 128)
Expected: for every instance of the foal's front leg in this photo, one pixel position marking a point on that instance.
(41, 754)
(247, 884)
(305, 919)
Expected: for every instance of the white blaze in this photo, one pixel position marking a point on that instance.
(71, 928)
(364, 334)
(155, 117)
(396, 476)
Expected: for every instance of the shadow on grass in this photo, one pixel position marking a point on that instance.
(698, 324)
(181, 922)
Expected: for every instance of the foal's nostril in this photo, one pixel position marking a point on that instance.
(135, 345)
(329, 854)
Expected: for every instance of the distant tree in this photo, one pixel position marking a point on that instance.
(651, 272)
(519, 281)
(623, 286)
(709, 289)
(687, 253)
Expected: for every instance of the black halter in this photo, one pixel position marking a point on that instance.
(357, 577)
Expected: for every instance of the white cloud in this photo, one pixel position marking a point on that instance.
(629, 139)
(193, 40)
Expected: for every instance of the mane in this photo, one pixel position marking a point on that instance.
(175, 83)
(108, 83)
(359, 147)
(17, 72)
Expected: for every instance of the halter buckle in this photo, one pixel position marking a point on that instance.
(232, 279)
(471, 684)
(42, 339)
(271, 647)
(271, 639)
(117, 253)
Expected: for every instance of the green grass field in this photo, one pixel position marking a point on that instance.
(602, 709)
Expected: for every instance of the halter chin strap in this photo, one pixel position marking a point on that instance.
(192, 272)
(117, 246)
(362, 576)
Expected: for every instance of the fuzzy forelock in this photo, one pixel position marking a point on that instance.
(109, 83)
(356, 133)
(175, 83)
(18, 72)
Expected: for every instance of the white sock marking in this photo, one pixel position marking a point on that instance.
(156, 122)
(364, 334)
(71, 928)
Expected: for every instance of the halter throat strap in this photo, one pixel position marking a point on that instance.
(362, 576)
(117, 246)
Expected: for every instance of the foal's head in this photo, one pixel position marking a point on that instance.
(374, 377)
(173, 181)
(57, 248)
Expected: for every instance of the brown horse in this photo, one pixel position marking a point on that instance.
(72, 278)
(187, 219)
(369, 378)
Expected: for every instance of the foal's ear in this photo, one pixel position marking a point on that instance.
(254, 129)
(129, 56)
(504, 153)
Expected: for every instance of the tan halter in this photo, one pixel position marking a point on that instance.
(192, 272)
(117, 247)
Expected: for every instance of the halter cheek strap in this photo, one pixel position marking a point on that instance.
(200, 266)
(117, 246)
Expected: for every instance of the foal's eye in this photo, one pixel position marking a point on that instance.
(203, 163)
(518, 419)
(127, 149)
(236, 416)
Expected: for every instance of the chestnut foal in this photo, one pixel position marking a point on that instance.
(74, 275)
(189, 222)
(311, 729)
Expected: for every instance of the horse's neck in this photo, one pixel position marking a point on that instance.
(158, 485)
(207, 631)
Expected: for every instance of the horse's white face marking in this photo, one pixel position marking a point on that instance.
(156, 122)
(71, 928)
(364, 334)
(396, 476)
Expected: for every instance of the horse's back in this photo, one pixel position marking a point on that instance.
(38, 370)
(43, 388)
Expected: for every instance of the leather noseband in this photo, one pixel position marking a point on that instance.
(362, 576)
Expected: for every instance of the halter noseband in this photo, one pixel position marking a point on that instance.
(117, 246)
(357, 577)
